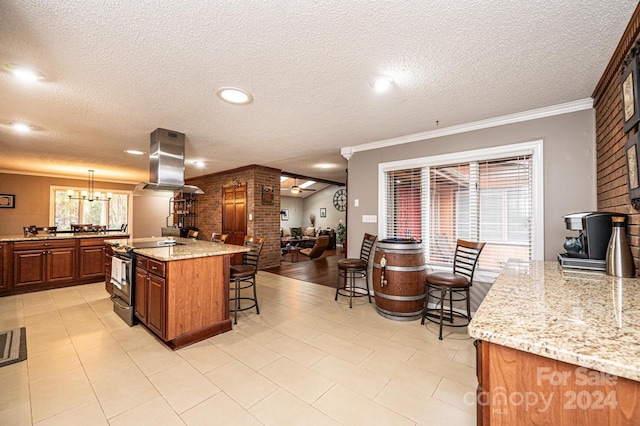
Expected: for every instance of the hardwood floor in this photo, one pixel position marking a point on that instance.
(323, 270)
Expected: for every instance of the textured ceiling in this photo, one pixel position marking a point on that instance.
(117, 70)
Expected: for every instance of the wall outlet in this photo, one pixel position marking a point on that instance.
(369, 218)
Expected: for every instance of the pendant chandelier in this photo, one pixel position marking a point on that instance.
(90, 194)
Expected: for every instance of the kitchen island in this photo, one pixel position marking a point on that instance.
(558, 346)
(181, 292)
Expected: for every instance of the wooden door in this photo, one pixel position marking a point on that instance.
(234, 216)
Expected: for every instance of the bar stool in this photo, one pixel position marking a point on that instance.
(443, 284)
(219, 238)
(246, 273)
(350, 267)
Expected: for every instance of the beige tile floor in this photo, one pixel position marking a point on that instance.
(305, 360)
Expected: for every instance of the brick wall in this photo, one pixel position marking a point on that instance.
(612, 184)
(266, 218)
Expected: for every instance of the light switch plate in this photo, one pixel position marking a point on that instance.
(356, 202)
(369, 218)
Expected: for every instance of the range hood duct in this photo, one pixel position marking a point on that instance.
(166, 164)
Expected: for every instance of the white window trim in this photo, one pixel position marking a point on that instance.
(52, 201)
(533, 148)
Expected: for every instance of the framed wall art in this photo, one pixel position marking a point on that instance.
(267, 195)
(631, 151)
(284, 214)
(7, 201)
(629, 91)
(323, 212)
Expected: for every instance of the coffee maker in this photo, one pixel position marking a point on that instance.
(587, 250)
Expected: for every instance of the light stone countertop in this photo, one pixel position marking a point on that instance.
(187, 248)
(62, 236)
(580, 317)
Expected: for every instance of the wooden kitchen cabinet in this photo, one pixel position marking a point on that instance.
(516, 387)
(92, 258)
(43, 262)
(4, 267)
(150, 297)
(108, 256)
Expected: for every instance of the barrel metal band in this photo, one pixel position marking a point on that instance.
(405, 251)
(401, 268)
(399, 298)
(399, 316)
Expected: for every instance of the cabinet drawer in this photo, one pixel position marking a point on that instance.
(142, 262)
(156, 268)
(91, 242)
(43, 244)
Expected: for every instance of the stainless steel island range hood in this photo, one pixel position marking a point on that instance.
(166, 164)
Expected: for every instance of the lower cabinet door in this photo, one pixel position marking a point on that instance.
(61, 264)
(156, 313)
(29, 267)
(92, 262)
(140, 295)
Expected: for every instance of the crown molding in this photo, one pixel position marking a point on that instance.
(534, 114)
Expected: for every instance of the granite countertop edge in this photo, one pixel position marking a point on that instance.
(511, 316)
(62, 236)
(186, 248)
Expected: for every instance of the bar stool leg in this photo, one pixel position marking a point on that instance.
(237, 292)
(442, 296)
(450, 306)
(426, 305)
(352, 282)
(255, 295)
(366, 280)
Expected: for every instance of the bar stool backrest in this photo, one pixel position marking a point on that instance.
(466, 258)
(219, 238)
(367, 246)
(251, 258)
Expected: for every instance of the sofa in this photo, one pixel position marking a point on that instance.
(305, 237)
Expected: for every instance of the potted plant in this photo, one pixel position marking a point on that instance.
(341, 232)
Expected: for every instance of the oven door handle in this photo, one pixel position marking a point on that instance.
(115, 300)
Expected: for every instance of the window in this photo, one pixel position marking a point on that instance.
(486, 195)
(65, 211)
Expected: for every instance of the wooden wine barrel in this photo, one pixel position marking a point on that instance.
(402, 296)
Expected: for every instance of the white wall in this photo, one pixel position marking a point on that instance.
(569, 170)
(301, 208)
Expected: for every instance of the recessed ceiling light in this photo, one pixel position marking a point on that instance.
(134, 152)
(382, 83)
(21, 127)
(24, 73)
(325, 166)
(234, 95)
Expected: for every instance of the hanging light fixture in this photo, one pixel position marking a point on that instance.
(90, 194)
(295, 189)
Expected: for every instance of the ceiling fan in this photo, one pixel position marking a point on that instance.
(295, 189)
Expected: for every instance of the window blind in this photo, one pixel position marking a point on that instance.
(483, 200)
